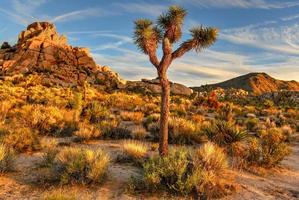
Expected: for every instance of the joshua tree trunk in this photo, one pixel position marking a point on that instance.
(165, 96)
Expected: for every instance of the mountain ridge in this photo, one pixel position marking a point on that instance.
(254, 82)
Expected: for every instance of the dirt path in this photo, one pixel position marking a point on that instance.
(23, 182)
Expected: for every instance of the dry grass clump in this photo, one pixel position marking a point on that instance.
(211, 157)
(183, 172)
(134, 149)
(139, 132)
(95, 112)
(50, 150)
(5, 106)
(273, 147)
(81, 165)
(59, 195)
(123, 101)
(132, 116)
(183, 131)
(87, 132)
(7, 157)
(48, 120)
(22, 140)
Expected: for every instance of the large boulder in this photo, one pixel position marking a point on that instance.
(41, 50)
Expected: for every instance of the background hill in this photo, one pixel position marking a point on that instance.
(256, 83)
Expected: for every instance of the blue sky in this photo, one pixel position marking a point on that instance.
(255, 35)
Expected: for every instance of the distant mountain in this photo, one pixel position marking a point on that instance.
(256, 83)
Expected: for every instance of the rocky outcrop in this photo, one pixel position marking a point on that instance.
(153, 87)
(40, 49)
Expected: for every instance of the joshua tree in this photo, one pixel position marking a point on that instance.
(168, 31)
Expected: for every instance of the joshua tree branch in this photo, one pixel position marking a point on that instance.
(153, 58)
(184, 48)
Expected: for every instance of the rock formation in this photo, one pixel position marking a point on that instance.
(153, 86)
(40, 49)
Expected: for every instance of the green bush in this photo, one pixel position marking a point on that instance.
(184, 172)
(274, 147)
(81, 165)
(268, 150)
(7, 157)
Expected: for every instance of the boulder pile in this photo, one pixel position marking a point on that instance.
(41, 50)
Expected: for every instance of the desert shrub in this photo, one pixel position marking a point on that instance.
(133, 151)
(269, 149)
(59, 195)
(132, 116)
(252, 124)
(22, 139)
(198, 118)
(76, 102)
(118, 133)
(48, 120)
(211, 157)
(253, 156)
(50, 150)
(183, 172)
(124, 101)
(95, 112)
(226, 113)
(139, 132)
(87, 132)
(224, 133)
(273, 146)
(5, 106)
(183, 131)
(151, 119)
(7, 157)
(81, 165)
(287, 131)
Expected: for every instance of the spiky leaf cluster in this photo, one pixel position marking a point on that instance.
(146, 35)
(203, 37)
(171, 23)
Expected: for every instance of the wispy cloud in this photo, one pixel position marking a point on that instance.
(145, 8)
(81, 14)
(245, 4)
(283, 39)
(291, 17)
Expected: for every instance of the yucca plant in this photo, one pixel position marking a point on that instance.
(168, 31)
(224, 133)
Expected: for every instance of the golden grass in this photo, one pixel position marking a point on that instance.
(135, 149)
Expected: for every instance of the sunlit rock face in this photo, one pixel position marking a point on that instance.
(41, 50)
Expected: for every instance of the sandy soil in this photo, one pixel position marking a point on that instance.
(26, 182)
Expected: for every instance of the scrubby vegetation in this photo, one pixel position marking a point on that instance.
(185, 172)
(80, 165)
(213, 136)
